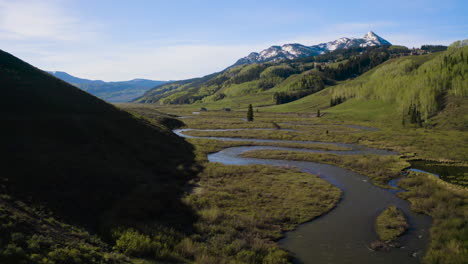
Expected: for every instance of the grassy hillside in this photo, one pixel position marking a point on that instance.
(420, 87)
(88, 162)
(269, 83)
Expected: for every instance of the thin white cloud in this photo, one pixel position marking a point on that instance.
(38, 19)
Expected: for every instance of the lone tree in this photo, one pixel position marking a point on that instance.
(318, 112)
(250, 113)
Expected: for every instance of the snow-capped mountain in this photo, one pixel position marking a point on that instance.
(292, 51)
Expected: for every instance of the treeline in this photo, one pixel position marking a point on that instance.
(419, 85)
(434, 48)
(343, 54)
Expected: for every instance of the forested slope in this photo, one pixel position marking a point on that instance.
(280, 82)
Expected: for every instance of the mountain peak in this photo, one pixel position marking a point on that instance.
(371, 36)
(296, 50)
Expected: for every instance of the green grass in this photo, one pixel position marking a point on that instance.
(380, 169)
(390, 224)
(447, 204)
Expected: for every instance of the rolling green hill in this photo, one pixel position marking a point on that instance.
(87, 162)
(425, 90)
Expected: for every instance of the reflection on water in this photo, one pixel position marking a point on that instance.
(447, 172)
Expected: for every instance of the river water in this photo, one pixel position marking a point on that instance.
(343, 234)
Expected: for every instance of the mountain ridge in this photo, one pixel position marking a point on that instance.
(295, 50)
(115, 92)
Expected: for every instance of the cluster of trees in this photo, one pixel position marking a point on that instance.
(306, 85)
(434, 48)
(356, 65)
(337, 100)
(183, 99)
(284, 97)
(269, 82)
(310, 82)
(414, 115)
(282, 71)
(248, 73)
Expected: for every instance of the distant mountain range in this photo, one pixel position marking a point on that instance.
(115, 92)
(293, 51)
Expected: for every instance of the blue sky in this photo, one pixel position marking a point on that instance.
(168, 40)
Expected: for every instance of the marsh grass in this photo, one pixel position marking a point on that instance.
(244, 209)
(391, 224)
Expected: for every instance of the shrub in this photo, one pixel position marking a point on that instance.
(133, 243)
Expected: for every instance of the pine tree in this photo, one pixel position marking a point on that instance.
(318, 112)
(250, 114)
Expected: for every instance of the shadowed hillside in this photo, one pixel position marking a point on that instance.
(87, 161)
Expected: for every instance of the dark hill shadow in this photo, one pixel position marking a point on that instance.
(86, 160)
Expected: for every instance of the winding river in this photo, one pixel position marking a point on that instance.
(343, 234)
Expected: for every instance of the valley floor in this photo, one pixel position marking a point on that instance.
(241, 213)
